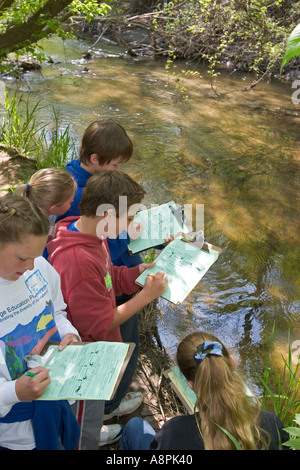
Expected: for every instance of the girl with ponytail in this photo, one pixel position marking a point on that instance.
(224, 411)
(51, 189)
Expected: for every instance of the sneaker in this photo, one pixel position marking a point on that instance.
(110, 434)
(128, 405)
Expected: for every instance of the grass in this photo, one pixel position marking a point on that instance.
(281, 392)
(48, 143)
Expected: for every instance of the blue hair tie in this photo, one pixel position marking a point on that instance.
(28, 187)
(204, 349)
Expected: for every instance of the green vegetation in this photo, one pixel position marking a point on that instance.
(47, 143)
(24, 22)
(281, 393)
(248, 35)
(292, 46)
(294, 432)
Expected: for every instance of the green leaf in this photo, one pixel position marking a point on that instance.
(297, 419)
(292, 48)
(293, 431)
(231, 437)
(293, 443)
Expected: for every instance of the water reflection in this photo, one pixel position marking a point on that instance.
(237, 154)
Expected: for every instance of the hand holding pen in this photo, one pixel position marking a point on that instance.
(32, 385)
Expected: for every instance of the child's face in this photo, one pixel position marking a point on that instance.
(113, 165)
(16, 258)
(61, 209)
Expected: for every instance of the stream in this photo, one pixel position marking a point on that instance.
(235, 152)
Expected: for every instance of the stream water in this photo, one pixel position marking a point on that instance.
(237, 153)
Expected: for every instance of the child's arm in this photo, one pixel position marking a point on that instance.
(153, 288)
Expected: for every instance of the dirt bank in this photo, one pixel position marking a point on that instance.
(14, 169)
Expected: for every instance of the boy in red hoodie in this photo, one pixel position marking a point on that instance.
(89, 280)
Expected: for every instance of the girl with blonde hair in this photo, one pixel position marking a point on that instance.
(51, 189)
(223, 405)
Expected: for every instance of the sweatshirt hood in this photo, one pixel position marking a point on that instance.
(65, 239)
(80, 174)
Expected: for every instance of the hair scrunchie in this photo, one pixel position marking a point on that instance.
(204, 349)
(28, 187)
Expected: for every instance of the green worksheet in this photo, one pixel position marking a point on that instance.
(181, 387)
(158, 223)
(185, 264)
(86, 371)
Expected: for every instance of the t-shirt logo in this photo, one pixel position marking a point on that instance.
(36, 283)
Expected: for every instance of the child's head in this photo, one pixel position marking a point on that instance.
(112, 194)
(105, 145)
(23, 235)
(222, 399)
(51, 189)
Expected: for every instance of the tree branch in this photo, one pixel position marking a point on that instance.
(30, 31)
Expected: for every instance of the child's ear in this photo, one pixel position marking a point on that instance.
(106, 225)
(233, 361)
(94, 159)
(51, 210)
(109, 213)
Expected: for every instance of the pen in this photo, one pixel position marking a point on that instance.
(30, 374)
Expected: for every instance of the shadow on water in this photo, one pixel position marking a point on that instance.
(236, 153)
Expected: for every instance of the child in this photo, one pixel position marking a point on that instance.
(32, 313)
(222, 400)
(51, 189)
(105, 145)
(90, 283)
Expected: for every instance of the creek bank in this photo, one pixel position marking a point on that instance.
(14, 169)
(139, 38)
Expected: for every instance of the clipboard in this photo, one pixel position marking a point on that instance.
(159, 222)
(180, 386)
(86, 370)
(185, 264)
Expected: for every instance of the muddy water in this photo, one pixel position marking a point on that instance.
(236, 152)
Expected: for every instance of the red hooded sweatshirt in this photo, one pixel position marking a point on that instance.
(89, 281)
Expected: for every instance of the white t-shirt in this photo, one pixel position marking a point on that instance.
(32, 312)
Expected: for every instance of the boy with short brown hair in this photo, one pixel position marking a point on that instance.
(89, 280)
(105, 145)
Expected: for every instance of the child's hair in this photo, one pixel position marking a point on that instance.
(222, 399)
(48, 187)
(108, 140)
(19, 217)
(105, 188)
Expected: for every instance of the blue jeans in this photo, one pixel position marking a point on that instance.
(137, 435)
